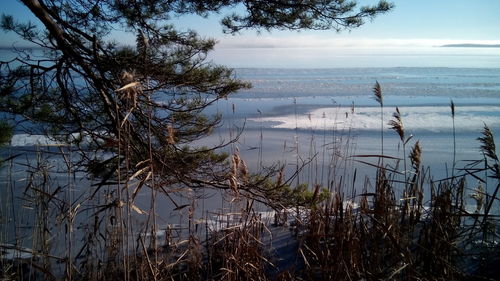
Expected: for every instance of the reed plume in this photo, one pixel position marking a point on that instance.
(235, 163)
(233, 175)
(170, 137)
(488, 143)
(233, 183)
(377, 91)
(488, 148)
(279, 180)
(415, 156)
(452, 107)
(478, 196)
(397, 124)
(244, 171)
(131, 88)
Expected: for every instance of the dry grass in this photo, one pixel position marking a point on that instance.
(375, 235)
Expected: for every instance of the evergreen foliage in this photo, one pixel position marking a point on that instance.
(5, 132)
(148, 98)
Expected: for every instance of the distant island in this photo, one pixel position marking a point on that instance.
(471, 46)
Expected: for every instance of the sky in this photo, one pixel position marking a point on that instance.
(407, 36)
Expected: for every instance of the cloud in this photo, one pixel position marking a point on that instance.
(311, 41)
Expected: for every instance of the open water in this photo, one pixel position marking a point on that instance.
(324, 117)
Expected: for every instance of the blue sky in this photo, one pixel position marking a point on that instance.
(446, 20)
(411, 28)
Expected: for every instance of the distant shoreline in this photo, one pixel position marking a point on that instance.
(471, 46)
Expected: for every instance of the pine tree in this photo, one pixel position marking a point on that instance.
(147, 98)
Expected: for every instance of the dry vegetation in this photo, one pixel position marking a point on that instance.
(404, 225)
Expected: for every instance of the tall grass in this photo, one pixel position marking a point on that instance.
(344, 227)
(452, 107)
(379, 98)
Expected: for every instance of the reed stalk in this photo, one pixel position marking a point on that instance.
(452, 107)
(377, 91)
(489, 150)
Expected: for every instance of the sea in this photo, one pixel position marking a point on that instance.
(294, 116)
(317, 103)
(323, 125)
